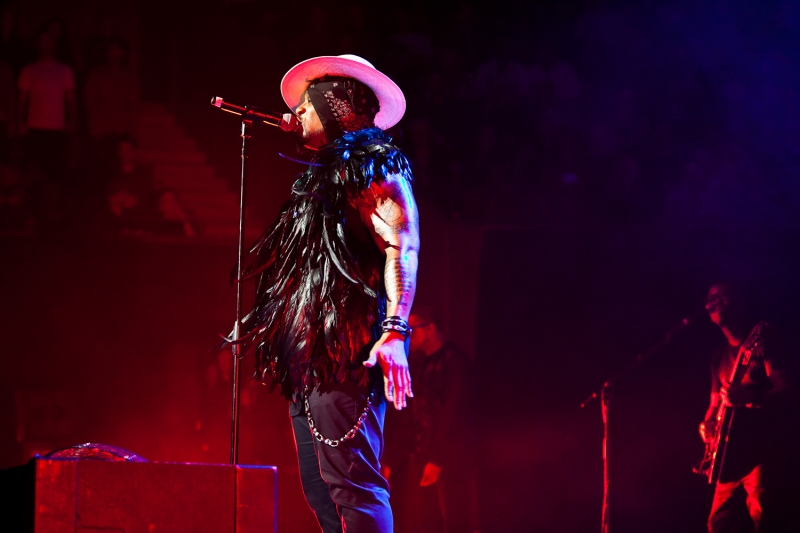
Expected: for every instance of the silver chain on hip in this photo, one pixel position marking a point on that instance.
(333, 443)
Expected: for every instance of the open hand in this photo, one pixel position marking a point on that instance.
(390, 353)
(707, 430)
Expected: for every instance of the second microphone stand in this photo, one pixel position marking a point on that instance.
(604, 395)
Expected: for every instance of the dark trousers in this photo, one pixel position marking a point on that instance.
(727, 511)
(46, 150)
(343, 485)
(763, 500)
(47, 183)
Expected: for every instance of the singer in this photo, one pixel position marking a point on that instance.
(753, 464)
(335, 280)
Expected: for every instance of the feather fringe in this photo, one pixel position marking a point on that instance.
(319, 289)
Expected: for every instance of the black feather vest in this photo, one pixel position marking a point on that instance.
(320, 295)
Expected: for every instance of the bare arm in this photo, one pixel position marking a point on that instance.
(773, 392)
(712, 406)
(709, 424)
(765, 398)
(389, 211)
(393, 219)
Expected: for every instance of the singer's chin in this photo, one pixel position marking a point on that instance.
(303, 147)
(312, 139)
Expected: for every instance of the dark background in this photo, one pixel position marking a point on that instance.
(585, 170)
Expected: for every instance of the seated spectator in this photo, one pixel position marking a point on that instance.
(136, 208)
(173, 218)
(131, 195)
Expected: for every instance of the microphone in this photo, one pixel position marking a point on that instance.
(695, 316)
(285, 121)
(691, 319)
(680, 325)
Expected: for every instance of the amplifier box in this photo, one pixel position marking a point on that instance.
(83, 496)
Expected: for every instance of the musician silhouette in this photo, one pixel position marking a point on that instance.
(743, 422)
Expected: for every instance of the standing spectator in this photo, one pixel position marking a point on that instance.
(96, 48)
(57, 29)
(429, 459)
(47, 113)
(111, 100)
(6, 108)
(12, 48)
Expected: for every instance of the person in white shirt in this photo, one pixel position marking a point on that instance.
(47, 110)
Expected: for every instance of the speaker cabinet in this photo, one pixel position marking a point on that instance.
(88, 496)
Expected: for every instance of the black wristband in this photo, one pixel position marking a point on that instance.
(397, 324)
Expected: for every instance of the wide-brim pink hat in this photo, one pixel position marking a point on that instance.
(391, 99)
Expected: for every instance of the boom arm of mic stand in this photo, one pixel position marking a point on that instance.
(286, 121)
(641, 358)
(588, 399)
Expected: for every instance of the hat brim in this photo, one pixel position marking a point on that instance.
(391, 99)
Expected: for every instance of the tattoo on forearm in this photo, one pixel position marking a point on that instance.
(398, 282)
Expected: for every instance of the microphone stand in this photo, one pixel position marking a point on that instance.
(250, 115)
(236, 349)
(605, 396)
